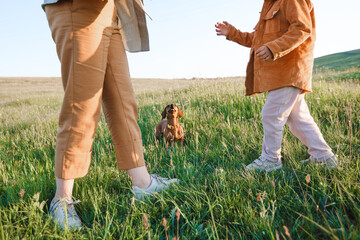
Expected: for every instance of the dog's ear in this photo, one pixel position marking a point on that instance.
(180, 113)
(163, 114)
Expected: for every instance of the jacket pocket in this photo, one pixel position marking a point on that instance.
(272, 20)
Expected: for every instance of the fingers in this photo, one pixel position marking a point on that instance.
(267, 57)
(264, 53)
(220, 25)
(221, 29)
(218, 30)
(261, 52)
(260, 49)
(224, 24)
(263, 56)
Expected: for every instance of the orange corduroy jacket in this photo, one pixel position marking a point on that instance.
(287, 28)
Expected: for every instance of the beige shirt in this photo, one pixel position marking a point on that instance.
(133, 26)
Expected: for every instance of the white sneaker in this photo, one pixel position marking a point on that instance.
(329, 163)
(63, 213)
(157, 184)
(262, 164)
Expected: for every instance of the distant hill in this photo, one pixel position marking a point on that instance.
(339, 61)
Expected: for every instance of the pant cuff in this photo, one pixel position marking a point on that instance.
(323, 156)
(270, 158)
(130, 156)
(70, 165)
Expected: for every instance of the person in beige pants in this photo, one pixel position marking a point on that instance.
(94, 70)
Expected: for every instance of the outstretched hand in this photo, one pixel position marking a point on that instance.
(222, 29)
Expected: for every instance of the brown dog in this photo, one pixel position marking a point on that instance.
(170, 128)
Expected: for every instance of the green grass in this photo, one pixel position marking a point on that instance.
(217, 198)
(338, 61)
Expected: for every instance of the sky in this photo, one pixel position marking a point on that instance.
(183, 42)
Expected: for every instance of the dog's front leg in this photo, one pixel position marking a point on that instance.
(168, 139)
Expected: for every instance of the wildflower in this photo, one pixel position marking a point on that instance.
(287, 233)
(277, 237)
(164, 223)
(177, 215)
(22, 193)
(177, 225)
(146, 221)
(258, 197)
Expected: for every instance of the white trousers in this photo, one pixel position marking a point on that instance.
(287, 105)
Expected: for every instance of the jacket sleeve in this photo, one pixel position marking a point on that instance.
(298, 14)
(242, 38)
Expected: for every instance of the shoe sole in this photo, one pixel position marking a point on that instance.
(265, 170)
(325, 166)
(273, 169)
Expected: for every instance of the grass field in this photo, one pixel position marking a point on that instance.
(217, 198)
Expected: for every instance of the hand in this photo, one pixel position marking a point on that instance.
(264, 53)
(222, 29)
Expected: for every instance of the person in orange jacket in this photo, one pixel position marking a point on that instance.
(281, 63)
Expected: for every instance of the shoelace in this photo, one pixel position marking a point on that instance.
(71, 209)
(159, 179)
(311, 159)
(261, 159)
(75, 202)
(69, 206)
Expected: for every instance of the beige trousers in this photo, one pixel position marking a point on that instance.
(287, 106)
(94, 69)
